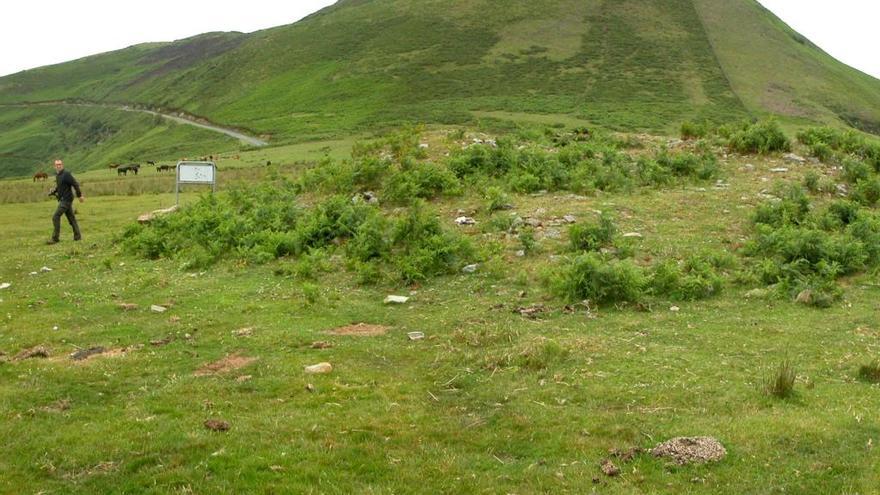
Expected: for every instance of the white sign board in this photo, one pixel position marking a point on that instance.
(195, 173)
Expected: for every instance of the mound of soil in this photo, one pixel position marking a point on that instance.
(359, 330)
(231, 362)
(688, 450)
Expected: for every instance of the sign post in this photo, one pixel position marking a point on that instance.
(195, 173)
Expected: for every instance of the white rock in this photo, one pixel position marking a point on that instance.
(5, 285)
(415, 335)
(45, 269)
(675, 309)
(791, 157)
(318, 369)
(423, 146)
(633, 234)
(465, 221)
(521, 253)
(569, 219)
(396, 299)
(155, 308)
(779, 170)
(470, 268)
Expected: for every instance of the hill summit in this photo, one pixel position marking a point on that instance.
(361, 64)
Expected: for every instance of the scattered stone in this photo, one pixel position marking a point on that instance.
(155, 308)
(635, 235)
(749, 166)
(5, 285)
(321, 345)
(470, 268)
(791, 157)
(465, 221)
(415, 335)
(57, 406)
(160, 342)
(149, 217)
(229, 363)
(34, 352)
(84, 354)
(396, 299)
(521, 253)
(310, 388)
(756, 294)
(805, 297)
(532, 311)
(359, 330)
(533, 222)
(174, 319)
(318, 369)
(128, 306)
(243, 378)
(569, 219)
(216, 425)
(45, 269)
(609, 469)
(675, 309)
(626, 455)
(243, 332)
(779, 170)
(553, 234)
(367, 197)
(687, 450)
(423, 146)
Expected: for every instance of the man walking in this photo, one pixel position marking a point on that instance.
(64, 181)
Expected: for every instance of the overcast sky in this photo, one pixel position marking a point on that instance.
(42, 32)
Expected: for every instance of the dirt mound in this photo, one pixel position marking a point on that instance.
(359, 330)
(688, 450)
(34, 352)
(231, 362)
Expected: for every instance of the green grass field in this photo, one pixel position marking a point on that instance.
(489, 402)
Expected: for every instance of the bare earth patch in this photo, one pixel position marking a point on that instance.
(688, 450)
(359, 330)
(34, 352)
(231, 362)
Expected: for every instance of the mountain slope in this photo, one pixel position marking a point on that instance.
(363, 64)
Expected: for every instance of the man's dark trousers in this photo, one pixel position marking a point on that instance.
(65, 208)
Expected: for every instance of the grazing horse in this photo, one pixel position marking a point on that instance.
(113, 165)
(125, 169)
(151, 163)
(40, 176)
(164, 168)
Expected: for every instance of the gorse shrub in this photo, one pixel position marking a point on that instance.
(262, 223)
(759, 137)
(697, 278)
(592, 237)
(849, 142)
(600, 279)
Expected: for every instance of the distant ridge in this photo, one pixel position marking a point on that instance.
(365, 64)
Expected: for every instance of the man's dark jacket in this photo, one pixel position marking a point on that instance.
(64, 181)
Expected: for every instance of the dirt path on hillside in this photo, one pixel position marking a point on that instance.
(180, 118)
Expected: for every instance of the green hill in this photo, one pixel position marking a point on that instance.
(359, 65)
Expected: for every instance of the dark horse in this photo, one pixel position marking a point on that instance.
(164, 168)
(125, 169)
(40, 176)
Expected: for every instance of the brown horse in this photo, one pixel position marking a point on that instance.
(40, 176)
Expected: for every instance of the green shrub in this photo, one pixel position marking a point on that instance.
(496, 199)
(867, 191)
(760, 137)
(821, 151)
(596, 278)
(855, 170)
(811, 181)
(421, 181)
(592, 237)
(694, 130)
